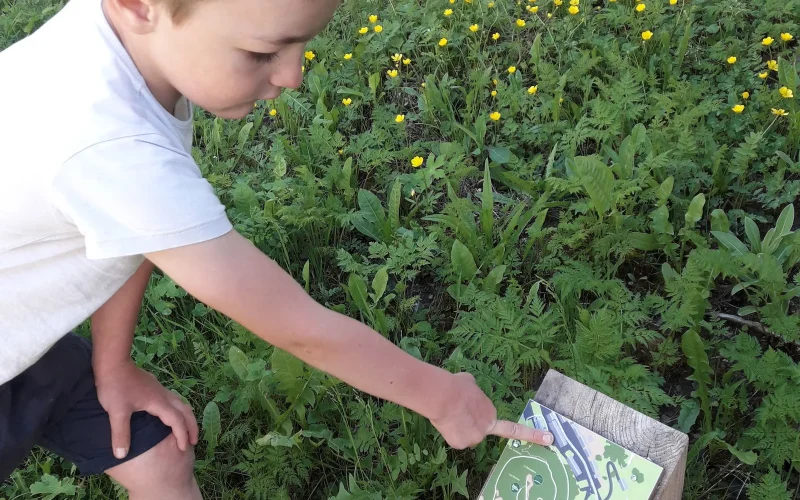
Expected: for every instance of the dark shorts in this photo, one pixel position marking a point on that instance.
(54, 404)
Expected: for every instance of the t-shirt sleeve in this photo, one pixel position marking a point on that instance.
(137, 195)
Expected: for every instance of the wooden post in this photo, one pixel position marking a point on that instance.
(625, 426)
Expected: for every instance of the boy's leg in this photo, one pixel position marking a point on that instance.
(78, 428)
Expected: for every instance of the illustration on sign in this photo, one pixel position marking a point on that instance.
(579, 465)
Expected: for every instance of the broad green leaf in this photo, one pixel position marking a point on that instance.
(394, 207)
(644, 241)
(493, 279)
(690, 410)
(746, 310)
(693, 347)
(499, 154)
(487, 205)
(358, 291)
(536, 49)
(211, 424)
(719, 221)
(668, 273)
(753, 235)
(379, 282)
(731, 242)
(244, 198)
(746, 457)
(275, 439)
(306, 275)
(462, 261)
(664, 191)
(244, 134)
(661, 224)
(371, 206)
(239, 362)
(367, 228)
(695, 210)
(785, 221)
(597, 180)
(787, 74)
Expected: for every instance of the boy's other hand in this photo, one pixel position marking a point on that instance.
(126, 389)
(468, 416)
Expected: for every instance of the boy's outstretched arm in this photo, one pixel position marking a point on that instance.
(232, 276)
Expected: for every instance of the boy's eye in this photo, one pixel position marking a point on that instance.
(262, 57)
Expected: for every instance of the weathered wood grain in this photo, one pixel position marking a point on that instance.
(616, 422)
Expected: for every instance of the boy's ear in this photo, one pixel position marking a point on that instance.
(139, 16)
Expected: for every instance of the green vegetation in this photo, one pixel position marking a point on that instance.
(622, 221)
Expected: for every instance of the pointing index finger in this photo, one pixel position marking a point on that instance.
(513, 430)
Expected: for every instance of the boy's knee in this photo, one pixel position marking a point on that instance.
(163, 468)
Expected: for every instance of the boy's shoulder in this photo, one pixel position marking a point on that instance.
(73, 86)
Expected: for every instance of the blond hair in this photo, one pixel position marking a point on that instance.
(179, 9)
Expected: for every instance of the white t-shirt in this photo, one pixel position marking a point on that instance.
(93, 174)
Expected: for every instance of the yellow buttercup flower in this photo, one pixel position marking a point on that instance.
(407, 61)
(767, 41)
(347, 101)
(763, 75)
(786, 93)
(400, 118)
(731, 59)
(647, 35)
(494, 93)
(490, 5)
(310, 55)
(738, 108)
(558, 2)
(574, 2)
(512, 69)
(273, 112)
(392, 73)
(348, 56)
(442, 42)
(495, 36)
(521, 23)
(779, 112)
(397, 57)
(494, 81)
(448, 12)
(452, 1)
(745, 95)
(495, 116)
(534, 9)
(373, 19)
(363, 30)
(533, 89)
(549, 15)
(772, 64)
(573, 10)
(641, 7)
(673, 2)
(473, 28)
(786, 37)
(417, 161)
(378, 28)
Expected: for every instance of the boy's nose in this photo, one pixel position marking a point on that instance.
(288, 76)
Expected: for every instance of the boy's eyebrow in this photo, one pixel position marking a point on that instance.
(286, 40)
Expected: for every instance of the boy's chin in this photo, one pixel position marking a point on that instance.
(233, 113)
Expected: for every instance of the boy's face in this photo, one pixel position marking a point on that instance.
(227, 54)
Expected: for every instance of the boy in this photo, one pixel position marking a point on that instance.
(99, 186)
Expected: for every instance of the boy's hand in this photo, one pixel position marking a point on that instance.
(469, 416)
(126, 389)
